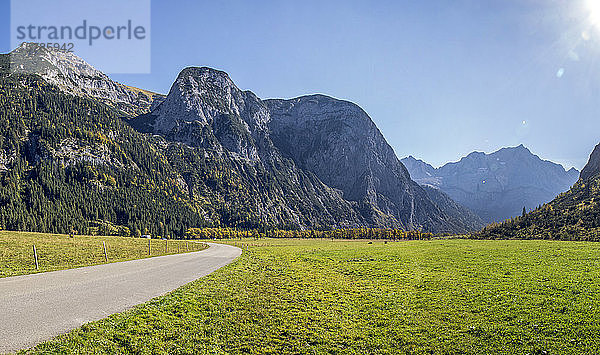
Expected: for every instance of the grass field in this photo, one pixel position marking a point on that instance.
(56, 252)
(316, 297)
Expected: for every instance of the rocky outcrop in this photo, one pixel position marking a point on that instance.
(592, 168)
(204, 108)
(74, 76)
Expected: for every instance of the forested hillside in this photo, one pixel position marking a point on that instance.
(66, 161)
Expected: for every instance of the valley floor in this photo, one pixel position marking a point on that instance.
(312, 297)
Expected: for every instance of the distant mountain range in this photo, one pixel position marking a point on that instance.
(499, 185)
(573, 215)
(79, 149)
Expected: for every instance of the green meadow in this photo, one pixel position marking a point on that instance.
(355, 297)
(57, 252)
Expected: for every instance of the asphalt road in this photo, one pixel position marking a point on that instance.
(34, 308)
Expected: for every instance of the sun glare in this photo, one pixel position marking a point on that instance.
(594, 9)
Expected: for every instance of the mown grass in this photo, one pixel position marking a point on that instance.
(324, 297)
(56, 252)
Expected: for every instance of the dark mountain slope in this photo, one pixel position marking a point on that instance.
(593, 166)
(457, 212)
(340, 144)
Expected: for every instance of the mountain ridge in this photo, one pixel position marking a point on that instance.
(572, 215)
(213, 148)
(497, 186)
(75, 76)
(201, 99)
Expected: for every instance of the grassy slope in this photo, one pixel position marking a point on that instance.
(57, 252)
(450, 296)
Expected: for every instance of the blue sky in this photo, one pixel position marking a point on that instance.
(439, 78)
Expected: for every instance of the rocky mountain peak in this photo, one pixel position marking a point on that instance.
(496, 186)
(207, 75)
(473, 156)
(205, 108)
(573, 173)
(592, 168)
(330, 109)
(207, 84)
(414, 160)
(307, 126)
(520, 149)
(30, 58)
(75, 76)
(202, 95)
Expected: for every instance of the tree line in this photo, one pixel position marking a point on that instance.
(345, 233)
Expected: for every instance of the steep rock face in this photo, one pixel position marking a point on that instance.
(592, 168)
(338, 142)
(74, 76)
(206, 110)
(497, 186)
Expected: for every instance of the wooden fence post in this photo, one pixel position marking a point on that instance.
(166, 246)
(149, 250)
(105, 255)
(35, 257)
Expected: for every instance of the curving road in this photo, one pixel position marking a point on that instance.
(34, 308)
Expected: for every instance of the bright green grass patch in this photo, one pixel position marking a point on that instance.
(324, 297)
(56, 252)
